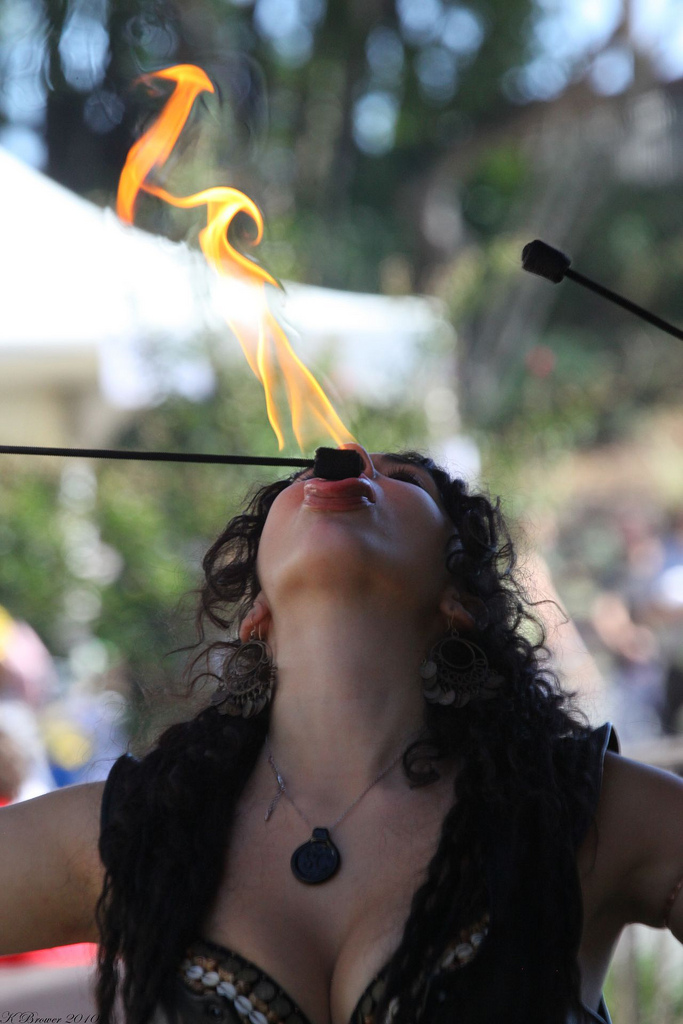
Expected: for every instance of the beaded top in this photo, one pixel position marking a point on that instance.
(233, 989)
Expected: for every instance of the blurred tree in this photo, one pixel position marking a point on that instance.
(33, 572)
(333, 112)
(394, 145)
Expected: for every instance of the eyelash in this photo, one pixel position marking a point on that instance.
(405, 474)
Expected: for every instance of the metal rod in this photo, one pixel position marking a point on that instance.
(607, 293)
(107, 453)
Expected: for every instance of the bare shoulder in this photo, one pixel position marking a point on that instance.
(50, 869)
(640, 840)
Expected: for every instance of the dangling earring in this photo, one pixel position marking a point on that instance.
(457, 671)
(247, 679)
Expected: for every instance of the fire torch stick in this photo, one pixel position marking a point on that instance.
(110, 453)
(540, 258)
(329, 463)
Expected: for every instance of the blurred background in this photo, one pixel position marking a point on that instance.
(402, 153)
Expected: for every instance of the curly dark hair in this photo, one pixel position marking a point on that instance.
(523, 799)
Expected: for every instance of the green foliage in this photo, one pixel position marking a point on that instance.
(33, 571)
(655, 1001)
(496, 184)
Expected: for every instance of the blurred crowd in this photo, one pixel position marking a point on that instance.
(51, 735)
(624, 564)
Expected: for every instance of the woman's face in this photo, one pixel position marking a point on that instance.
(385, 531)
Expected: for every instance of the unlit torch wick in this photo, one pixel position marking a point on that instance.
(540, 258)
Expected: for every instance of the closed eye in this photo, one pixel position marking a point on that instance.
(405, 474)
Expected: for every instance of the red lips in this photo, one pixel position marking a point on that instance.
(353, 492)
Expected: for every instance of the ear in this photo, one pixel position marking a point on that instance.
(464, 611)
(257, 618)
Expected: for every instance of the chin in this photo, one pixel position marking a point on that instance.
(327, 559)
(325, 570)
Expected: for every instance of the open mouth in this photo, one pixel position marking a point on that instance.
(353, 492)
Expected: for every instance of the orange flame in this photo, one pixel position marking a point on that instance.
(263, 341)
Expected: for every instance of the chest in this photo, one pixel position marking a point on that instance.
(324, 943)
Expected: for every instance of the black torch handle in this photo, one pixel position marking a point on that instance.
(108, 453)
(632, 307)
(544, 260)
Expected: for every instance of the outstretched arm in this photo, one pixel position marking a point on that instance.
(50, 870)
(640, 814)
(640, 822)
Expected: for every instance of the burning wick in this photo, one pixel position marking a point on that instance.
(337, 463)
(540, 258)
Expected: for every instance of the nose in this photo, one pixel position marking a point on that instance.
(368, 466)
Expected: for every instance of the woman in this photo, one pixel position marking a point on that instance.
(388, 821)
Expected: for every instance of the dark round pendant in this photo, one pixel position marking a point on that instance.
(316, 860)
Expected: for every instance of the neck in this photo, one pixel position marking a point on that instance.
(348, 700)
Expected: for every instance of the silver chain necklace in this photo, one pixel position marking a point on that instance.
(317, 859)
